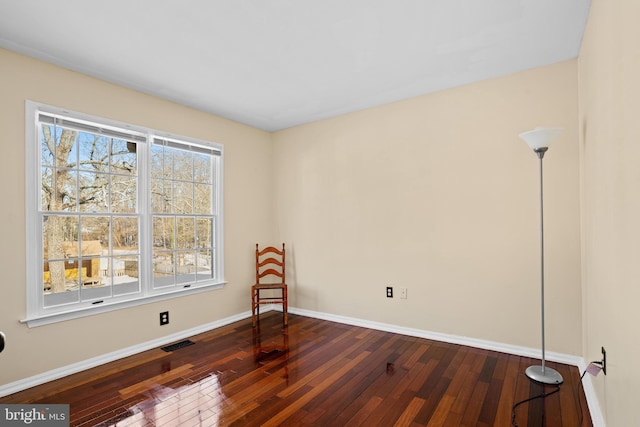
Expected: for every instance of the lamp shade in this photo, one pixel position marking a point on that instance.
(540, 137)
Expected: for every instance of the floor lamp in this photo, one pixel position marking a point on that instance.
(539, 140)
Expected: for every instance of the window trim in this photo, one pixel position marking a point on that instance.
(37, 315)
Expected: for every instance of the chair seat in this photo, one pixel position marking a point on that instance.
(269, 285)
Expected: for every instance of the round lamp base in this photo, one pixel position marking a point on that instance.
(544, 376)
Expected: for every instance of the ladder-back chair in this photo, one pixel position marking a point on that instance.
(270, 277)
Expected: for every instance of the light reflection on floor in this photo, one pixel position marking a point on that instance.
(192, 405)
(204, 403)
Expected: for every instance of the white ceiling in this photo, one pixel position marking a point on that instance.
(274, 64)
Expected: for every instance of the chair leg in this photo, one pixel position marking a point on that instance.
(253, 305)
(285, 306)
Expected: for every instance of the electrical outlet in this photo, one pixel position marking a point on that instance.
(164, 318)
(389, 292)
(604, 361)
(403, 293)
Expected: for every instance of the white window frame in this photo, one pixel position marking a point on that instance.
(37, 314)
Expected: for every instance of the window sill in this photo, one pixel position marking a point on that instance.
(107, 307)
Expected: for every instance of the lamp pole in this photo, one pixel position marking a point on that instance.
(539, 139)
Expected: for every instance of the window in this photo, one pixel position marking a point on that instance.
(182, 204)
(117, 215)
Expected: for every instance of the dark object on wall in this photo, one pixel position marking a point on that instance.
(2, 340)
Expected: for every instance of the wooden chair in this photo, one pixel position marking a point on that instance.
(270, 277)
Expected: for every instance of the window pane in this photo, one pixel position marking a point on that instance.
(68, 291)
(182, 165)
(47, 145)
(60, 251)
(167, 196)
(163, 236)
(124, 237)
(105, 270)
(59, 236)
(167, 162)
(202, 168)
(186, 267)
(90, 293)
(66, 193)
(204, 227)
(183, 197)
(204, 268)
(161, 196)
(57, 147)
(124, 194)
(91, 275)
(47, 190)
(96, 283)
(202, 198)
(127, 281)
(124, 157)
(67, 149)
(94, 192)
(163, 269)
(93, 152)
(95, 235)
(185, 235)
(157, 161)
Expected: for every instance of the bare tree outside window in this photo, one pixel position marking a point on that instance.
(89, 184)
(116, 214)
(182, 194)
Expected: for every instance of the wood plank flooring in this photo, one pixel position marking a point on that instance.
(313, 373)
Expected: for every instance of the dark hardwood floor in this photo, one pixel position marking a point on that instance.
(313, 373)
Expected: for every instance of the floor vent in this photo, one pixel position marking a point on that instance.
(177, 345)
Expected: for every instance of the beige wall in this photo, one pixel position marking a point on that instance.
(439, 195)
(609, 121)
(247, 182)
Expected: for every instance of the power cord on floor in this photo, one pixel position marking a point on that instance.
(557, 389)
(540, 396)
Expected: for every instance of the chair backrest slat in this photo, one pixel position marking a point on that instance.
(270, 261)
(271, 249)
(270, 271)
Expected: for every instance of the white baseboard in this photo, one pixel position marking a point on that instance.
(437, 336)
(592, 401)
